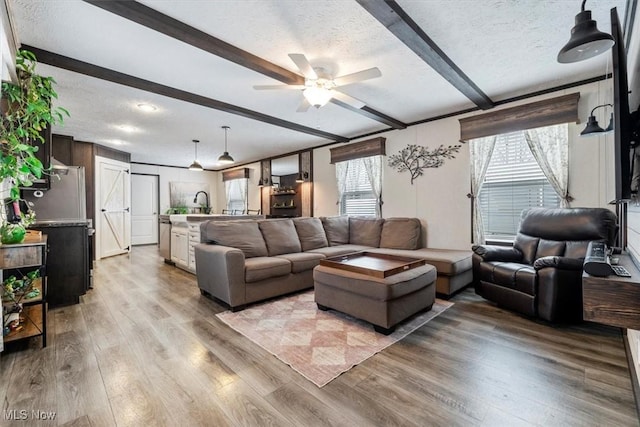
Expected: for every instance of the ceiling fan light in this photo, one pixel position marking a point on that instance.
(317, 96)
(586, 40)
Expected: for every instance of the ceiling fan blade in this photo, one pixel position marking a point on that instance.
(304, 106)
(347, 79)
(349, 100)
(303, 65)
(269, 87)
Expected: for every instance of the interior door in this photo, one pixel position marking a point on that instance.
(114, 214)
(144, 209)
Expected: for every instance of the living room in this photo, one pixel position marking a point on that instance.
(165, 358)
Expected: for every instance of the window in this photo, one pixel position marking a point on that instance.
(359, 196)
(236, 192)
(514, 182)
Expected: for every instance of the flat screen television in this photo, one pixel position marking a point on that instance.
(625, 154)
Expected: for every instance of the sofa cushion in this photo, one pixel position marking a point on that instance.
(243, 235)
(280, 236)
(528, 246)
(577, 249)
(401, 233)
(365, 231)
(311, 233)
(512, 275)
(550, 248)
(260, 268)
(302, 261)
(330, 251)
(337, 229)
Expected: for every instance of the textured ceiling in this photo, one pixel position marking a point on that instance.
(507, 48)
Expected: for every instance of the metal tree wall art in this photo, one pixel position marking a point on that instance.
(414, 158)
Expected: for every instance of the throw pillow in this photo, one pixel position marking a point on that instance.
(310, 233)
(280, 236)
(365, 231)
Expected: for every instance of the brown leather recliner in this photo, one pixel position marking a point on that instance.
(541, 275)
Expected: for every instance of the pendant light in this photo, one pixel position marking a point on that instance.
(225, 159)
(586, 40)
(195, 166)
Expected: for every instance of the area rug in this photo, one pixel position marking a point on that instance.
(320, 345)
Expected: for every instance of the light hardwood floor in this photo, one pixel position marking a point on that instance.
(145, 349)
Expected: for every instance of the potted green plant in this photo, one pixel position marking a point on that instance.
(26, 113)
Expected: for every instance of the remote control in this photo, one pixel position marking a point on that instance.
(620, 271)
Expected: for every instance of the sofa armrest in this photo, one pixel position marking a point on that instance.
(497, 253)
(561, 262)
(220, 272)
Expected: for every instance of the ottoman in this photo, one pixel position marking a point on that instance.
(384, 302)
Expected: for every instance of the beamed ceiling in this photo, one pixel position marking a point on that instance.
(197, 63)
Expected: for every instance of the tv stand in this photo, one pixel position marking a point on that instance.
(613, 300)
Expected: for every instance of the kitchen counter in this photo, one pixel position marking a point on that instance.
(61, 223)
(177, 218)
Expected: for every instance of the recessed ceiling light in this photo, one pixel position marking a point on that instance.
(148, 108)
(127, 128)
(115, 142)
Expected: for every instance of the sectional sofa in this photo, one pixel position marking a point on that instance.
(246, 261)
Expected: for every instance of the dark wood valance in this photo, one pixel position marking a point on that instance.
(370, 147)
(235, 174)
(562, 109)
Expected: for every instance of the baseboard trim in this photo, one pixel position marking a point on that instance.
(634, 376)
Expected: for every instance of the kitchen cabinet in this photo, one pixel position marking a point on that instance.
(194, 239)
(180, 245)
(69, 260)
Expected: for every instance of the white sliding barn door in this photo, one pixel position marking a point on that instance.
(113, 207)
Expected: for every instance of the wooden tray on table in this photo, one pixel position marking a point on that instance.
(373, 264)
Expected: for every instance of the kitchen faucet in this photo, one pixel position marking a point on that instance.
(206, 206)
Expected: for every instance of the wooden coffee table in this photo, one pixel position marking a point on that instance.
(373, 264)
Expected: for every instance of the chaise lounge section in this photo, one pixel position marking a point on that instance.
(246, 261)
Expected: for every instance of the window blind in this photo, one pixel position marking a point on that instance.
(358, 198)
(514, 182)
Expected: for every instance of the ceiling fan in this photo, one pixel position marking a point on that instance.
(319, 87)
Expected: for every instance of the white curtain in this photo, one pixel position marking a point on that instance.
(227, 193)
(236, 194)
(243, 186)
(550, 147)
(373, 166)
(480, 151)
(342, 168)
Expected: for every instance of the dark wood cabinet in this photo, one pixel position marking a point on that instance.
(613, 300)
(68, 261)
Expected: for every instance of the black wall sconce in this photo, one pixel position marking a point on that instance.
(593, 128)
(263, 182)
(302, 176)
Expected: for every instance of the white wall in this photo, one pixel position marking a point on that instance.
(633, 229)
(252, 189)
(170, 174)
(439, 197)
